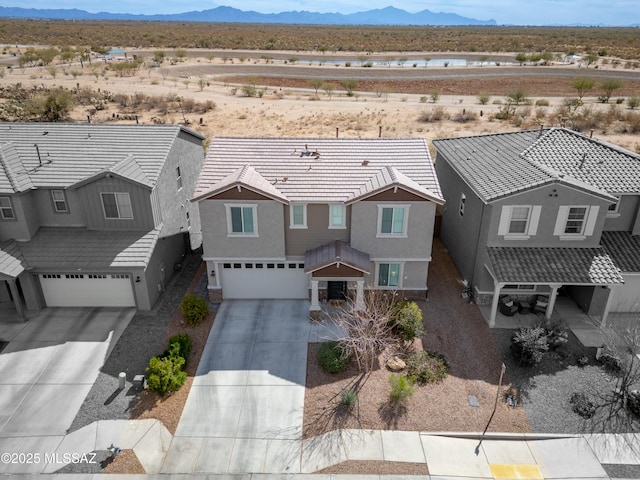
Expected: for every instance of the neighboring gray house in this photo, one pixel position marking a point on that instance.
(313, 218)
(94, 215)
(534, 212)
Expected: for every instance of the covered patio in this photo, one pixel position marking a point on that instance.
(11, 267)
(548, 270)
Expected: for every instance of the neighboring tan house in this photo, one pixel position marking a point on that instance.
(535, 212)
(94, 215)
(315, 218)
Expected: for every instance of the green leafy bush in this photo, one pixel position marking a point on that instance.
(184, 346)
(427, 367)
(408, 321)
(332, 358)
(582, 405)
(349, 398)
(401, 388)
(164, 374)
(529, 345)
(194, 309)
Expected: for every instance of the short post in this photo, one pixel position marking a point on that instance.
(122, 378)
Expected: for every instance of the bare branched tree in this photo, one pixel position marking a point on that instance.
(369, 330)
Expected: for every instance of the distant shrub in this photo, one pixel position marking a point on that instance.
(427, 367)
(582, 405)
(332, 358)
(542, 102)
(528, 345)
(483, 98)
(401, 388)
(164, 374)
(436, 114)
(408, 321)
(194, 309)
(465, 116)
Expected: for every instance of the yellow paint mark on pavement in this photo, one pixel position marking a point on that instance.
(515, 472)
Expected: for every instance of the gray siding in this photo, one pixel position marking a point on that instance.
(50, 218)
(25, 223)
(171, 204)
(626, 215)
(459, 233)
(550, 197)
(216, 243)
(140, 202)
(299, 240)
(168, 252)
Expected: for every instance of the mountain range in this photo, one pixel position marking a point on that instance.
(383, 16)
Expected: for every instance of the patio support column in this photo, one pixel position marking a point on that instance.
(552, 301)
(315, 303)
(494, 304)
(607, 307)
(360, 295)
(16, 298)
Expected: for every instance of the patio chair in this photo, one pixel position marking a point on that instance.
(508, 306)
(541, 304)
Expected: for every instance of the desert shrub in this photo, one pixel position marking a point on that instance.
(194, 309)
(427, 367)
(542, 102)
(332, 358)
(401, 387)
(436, 114)
(423, 99)
(528, 345)
(249, 90)
(633, 402)
(164, 374)
(465, 116)
(633, 122)
(582, 405)
(408, 321)
(184, 345)
(633, 102)
(483, 98)
(349, 398)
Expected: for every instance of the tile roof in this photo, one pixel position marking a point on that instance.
(70, 153)
(318, 169)
(13, 176)
(498, 165)
(245, 176)
(12, 262)
(624, 248)
(78, 248)
(572, 266)
(336, 252)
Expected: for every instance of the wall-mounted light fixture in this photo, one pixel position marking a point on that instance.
(138, 279)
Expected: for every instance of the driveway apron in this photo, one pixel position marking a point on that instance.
(245, 409)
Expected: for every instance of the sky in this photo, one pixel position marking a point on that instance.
(532, 12)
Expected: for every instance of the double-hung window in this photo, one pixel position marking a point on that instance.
(576, 222)
(388, 274)
(337, 216)
(519, 222)
(298, 215)
(6, 209)
(392, 220)
(59, 201)
(117, 205)
(241, 220)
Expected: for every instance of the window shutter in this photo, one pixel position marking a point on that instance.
(535, 219)
(591, 220)
(505, 218)
(561, 220)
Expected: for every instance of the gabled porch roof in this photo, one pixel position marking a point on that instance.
(336, 253)
(566, 266)
(12, 262)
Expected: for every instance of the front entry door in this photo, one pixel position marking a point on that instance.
(336, 290)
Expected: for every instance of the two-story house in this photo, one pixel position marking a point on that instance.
(94, 215)
(535, 212)
(316, 218)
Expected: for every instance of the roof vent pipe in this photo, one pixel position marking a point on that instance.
(591, 134)
(38, 152)
(584, 159)
(380, 131)
(337, 132)
(541, 129)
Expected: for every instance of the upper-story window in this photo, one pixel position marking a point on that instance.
(6, 209)
(576, 222)
(614, 207)
(242, 220)
(463, 200)
(519, 222)
(298, 215)
(178, 178)
(392, 220)
(59, 201)
(337, 216)
(117, 205)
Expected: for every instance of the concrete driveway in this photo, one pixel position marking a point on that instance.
(247, 400)
(47, 370)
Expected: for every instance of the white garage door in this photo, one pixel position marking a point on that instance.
(264, 280)
(87, 290)
(626, 298)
